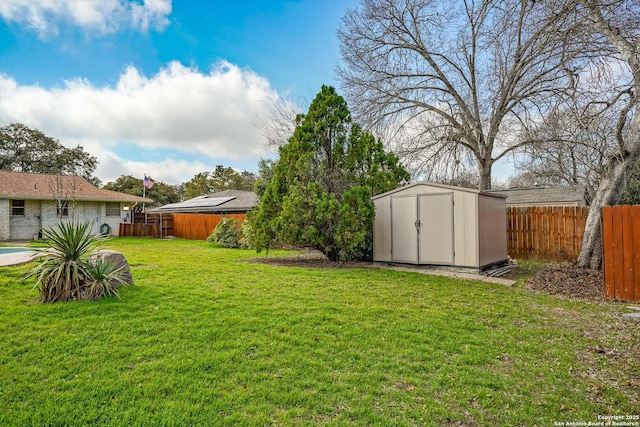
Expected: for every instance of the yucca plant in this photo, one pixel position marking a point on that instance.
(102, 278)
(62, 271)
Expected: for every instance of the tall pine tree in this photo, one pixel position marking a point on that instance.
(320, 192)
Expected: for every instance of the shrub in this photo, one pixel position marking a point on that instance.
(227, 233)
(102, 277)
(246, 241)
(65, 272)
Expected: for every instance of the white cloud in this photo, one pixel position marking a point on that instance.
(170, 171)
(101, 16)
(179, 108)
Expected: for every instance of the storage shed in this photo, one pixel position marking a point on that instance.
(436, 224)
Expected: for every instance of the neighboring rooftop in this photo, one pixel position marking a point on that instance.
(546, 196)
(222, 201)
(39, 186)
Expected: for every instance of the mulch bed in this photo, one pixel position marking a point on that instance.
(570, 281)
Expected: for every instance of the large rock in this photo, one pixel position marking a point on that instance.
(119, 260)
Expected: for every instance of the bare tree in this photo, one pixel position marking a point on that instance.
(461, 76)
(570, 146)
(617, 23)
(280, 122)
(64, 189)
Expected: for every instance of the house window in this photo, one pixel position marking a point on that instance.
(17, 208)
(62, 208)
(113, 209)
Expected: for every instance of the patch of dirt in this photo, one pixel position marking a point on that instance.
(570, 281)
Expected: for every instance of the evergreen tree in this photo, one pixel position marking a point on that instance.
(320, 192)
(631, 194)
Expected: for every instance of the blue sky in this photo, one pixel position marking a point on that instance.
(159, 87)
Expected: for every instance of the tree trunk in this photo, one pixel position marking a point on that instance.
(333, 254)
(621, 165)
(485, 175)
(608, 193)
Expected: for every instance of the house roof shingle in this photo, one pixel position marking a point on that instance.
(36, 186)
(574, 195)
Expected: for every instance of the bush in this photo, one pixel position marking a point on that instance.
(246, 241)
(65, 273)
(102, 277)
(227, 233)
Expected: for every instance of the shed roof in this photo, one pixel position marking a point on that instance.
(572, 195)
(40, 186)
(222, 201)
(442, 186)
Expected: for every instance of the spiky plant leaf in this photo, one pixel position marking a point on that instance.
(102, 279)
(60, 274)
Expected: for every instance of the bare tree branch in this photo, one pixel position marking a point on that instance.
(474, 64)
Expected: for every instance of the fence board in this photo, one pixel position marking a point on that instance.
(199, 226)
(137, 230)
(548, 232)
(570, 214)
(607, 252)
(635, 217)
(621, 252)
(186, 226)
(618, 271)
(557, 232)
(627, 254)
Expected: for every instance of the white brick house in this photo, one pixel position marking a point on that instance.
(31, 202)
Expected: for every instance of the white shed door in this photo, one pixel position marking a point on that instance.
(436, 228)
(404, 233)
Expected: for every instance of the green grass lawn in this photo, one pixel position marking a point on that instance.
(205, 337)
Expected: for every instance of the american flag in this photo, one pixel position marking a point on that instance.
(147, 182)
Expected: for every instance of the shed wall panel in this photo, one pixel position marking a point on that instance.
(466, 229)
(492, 220)
(382, 230)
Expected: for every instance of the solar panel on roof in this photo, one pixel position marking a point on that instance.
(217, 201)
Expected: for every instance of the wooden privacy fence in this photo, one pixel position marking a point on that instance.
(185, 226)
(149, 225)
(621, 252)
(199, 226)
(138, 230)
(545, 232)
